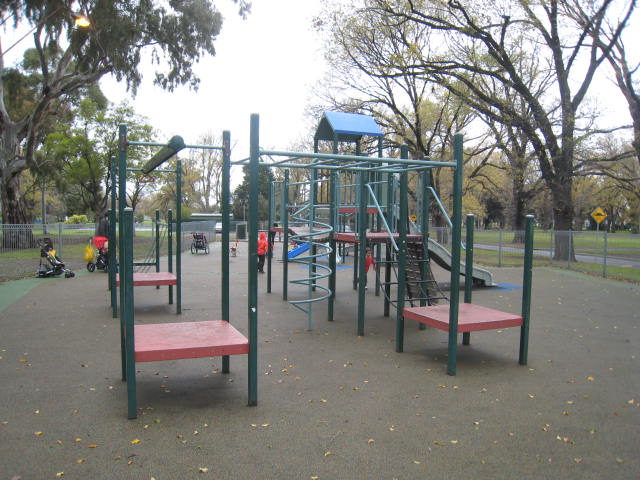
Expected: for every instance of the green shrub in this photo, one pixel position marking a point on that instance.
(75, 219)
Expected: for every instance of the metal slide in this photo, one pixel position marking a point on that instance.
(442, 257)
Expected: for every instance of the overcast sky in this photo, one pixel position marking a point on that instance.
(267, 64)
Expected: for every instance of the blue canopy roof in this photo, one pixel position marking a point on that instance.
(346, 127)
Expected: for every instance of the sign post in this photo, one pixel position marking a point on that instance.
(598, 215)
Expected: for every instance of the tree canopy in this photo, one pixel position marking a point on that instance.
(173, 36)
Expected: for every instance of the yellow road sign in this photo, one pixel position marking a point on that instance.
(598, 215)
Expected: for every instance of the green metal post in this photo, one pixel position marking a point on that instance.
(402, 252)
(362, 242)
(253, 259)
(285, 234)
(126, 310)
(456, 238)
(389, 254)
(113, 243)
(272, 206)
(468, 271)
(356, 253)
(526, 290)
(226, 196)
(333, 213)
(424, 225)
(170, 250)
(179, 236)
(157, 239)
(122, 203)
(387, 278)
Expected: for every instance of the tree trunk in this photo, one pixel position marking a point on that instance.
(517, 209)
(102, 226)
(563, 221)
(14, 216)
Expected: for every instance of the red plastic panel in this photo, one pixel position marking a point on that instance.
(471, 317)
(151, 279)
(175, 341)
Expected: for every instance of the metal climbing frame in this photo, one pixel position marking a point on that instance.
(368, 171)
(183, 339)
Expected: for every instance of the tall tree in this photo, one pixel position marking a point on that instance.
(412, 110)
(174, 35)
(81, 153)
(482, 45)
(208, 164)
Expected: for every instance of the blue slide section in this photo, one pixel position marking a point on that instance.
(294, 252)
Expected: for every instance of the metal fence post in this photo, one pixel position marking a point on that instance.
(60, 240)
(604, 255)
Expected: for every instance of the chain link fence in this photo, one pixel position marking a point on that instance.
(612, 255)
(20, 251)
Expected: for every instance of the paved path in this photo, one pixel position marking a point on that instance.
(331, 405)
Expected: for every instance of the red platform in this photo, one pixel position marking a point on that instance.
(471, 317)
(151, 279)
(352, 237)
(175, 341)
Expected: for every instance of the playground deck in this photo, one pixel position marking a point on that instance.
(471, 317)
(151, 279)
(175, 341)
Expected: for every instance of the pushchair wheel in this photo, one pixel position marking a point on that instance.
(69, 274)
(206, 248)
(193, 249)
(91, 266)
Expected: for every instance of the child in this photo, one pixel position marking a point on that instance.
(263, 246)
(368, 262)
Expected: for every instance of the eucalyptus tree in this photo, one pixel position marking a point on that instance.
(173, 35)
(207, 163)
(79, 154)
(481, 44)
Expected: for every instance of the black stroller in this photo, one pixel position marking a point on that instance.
(54, 265)
(199, 243)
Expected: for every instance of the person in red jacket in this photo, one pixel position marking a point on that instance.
(368, 262)
(263, 248)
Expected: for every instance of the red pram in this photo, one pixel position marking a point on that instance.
(102, 259)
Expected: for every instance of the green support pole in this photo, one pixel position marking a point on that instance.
(126, 310)
(389, 255)
(526, 290)
(253, 259)
(424, 225)
(285, 235)
(456, 238)
(170, 250)
(362, 241)
(179, 236)
(157, 227)
(402, 252)
(269, 224)
(468, 271)
(333, 212)
(226, 196)
(387, 278)
(113, 242)
(356, 251)
(122, 195)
